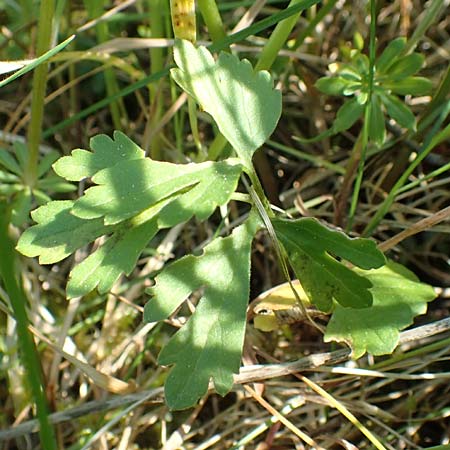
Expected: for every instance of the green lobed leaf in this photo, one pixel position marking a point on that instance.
(119, 254)
(212, 190)
(312, 248)
(209, 346)
(131, 187)
(58, 233)
(399, 111)
(106, 153)
(398, 297)
(390, 55)
(243, 103)
(142, 194)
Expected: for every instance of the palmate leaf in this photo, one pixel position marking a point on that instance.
(136, 198)
(242, 102)
(398, 297)
(209, 346)
(312, 249)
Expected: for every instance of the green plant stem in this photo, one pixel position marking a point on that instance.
(384, 207)
(193, 122)
(349, 176)
(438, 98)
(28, 349)
(421, 351)
(428, 176)
(177, 120)
(259, 190)
(156, 8)
(117, 108)
(367, 114)
(38, 93)
(265, 211)
(262, 25)
(211, 16)
(277, 39)
(313, 23)
(216, 147)
(430, 14)
(316, 160)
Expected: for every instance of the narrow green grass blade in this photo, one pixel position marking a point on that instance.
(37, 61)
(236, 37)
(27, 346)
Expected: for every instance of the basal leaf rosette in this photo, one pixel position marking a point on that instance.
(394, 76)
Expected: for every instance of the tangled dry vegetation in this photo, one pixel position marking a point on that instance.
(402, 400)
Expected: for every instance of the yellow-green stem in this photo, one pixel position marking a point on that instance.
(117, 107)
(28, 353)
(277, 40)
(156, 8)
(211, 16)
(38, 94)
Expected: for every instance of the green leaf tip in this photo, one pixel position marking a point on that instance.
(209, 346)
(106, 153)
(58, 233)
(242, 101)
(312, 248)
(398, 297)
